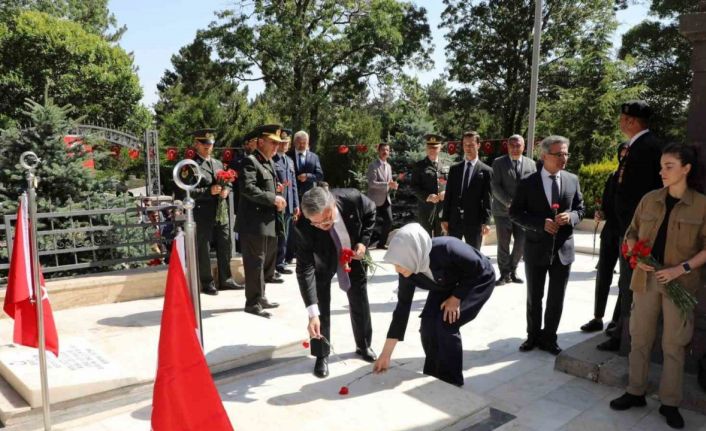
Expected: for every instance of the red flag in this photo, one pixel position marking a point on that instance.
(20, 303)
(185, 397)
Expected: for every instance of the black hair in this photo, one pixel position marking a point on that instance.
(687, 155)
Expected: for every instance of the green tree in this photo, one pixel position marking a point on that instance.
(62, 176)
(313, 53)
(80, 68)
(93, 15)
(196, 94)
(661, 58)
(490, 49)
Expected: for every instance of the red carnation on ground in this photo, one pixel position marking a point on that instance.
(305, 344)
(343, 390)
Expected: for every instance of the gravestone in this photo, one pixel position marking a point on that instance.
(79, 371)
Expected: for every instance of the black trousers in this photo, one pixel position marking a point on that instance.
(259, 254)
(622, 327)
(607, 258)
(385, 213)
(429, 216)
(441, 340)
(558, 279)
(469, 233)
(505, 230)
(359, 309)
(283, 240)
(220, 235)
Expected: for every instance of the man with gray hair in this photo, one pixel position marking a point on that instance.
(335, 223)
(508, 171)
(548, 204)
(307, 166)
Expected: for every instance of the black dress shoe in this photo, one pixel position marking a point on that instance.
(515, 279)
(501, 280)
(258, 311)
(210, 289)
(593, 325)
(627, 401)
(367, 354)
(674, 418)
(274, 280)
(382, 247)
(528, 345)
(321, 367)
(230, 284)
(267, 304)
(552, 348)
(283, 270)
(610, 345)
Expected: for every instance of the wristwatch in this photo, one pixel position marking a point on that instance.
(687, 267)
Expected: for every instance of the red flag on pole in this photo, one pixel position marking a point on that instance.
(185, 396)
(20, 302)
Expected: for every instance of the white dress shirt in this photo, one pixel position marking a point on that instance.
(547, 183)
(637, 135)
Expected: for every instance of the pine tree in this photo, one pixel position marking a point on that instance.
(62, 176)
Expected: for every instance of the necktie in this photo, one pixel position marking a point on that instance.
(301, 160)
(517, 168)
(467, 175)
(344, 282)
(555, 189)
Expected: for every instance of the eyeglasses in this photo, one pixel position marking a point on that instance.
(326, 221)
(564, 155)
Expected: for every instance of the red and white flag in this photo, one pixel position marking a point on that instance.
(185, 397)
(20, 303)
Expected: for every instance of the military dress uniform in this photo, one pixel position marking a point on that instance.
(208, 228)
(430, 178)
(256, 226)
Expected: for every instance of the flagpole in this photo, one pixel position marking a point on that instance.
(190, 237)
(30, 166)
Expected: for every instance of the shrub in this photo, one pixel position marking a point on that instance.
(592, 178)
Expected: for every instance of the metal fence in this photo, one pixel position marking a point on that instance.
(97, 236)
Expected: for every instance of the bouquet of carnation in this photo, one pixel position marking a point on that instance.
(346, 257)
(641, 252)
(223, 178)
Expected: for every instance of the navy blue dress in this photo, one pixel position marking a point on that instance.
(458, 270)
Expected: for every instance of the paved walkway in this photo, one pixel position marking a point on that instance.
(522, 384)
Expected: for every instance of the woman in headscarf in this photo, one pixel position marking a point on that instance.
(459, 280)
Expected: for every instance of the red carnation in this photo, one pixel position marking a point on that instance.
(442, 181)
(624, 249)
(305, 344)
(343, 390)
(555, 207)
(345, 258)
(633, 262)
(227, 176)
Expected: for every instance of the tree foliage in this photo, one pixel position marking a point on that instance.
(93, 15)
(314, 53)
(490, 48)
(78, 67)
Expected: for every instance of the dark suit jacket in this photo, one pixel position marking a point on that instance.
(474, 200)
(317, 259)
(256, 209)
(206, 203)
(530, 208)
(284, 166)
(458, 269)
(640, 175)
(312, 169)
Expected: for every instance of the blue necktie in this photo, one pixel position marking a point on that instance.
(555, 189)
(344, 281)
(467, 176)
(301, 161)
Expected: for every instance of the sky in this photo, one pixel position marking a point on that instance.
(157, 29)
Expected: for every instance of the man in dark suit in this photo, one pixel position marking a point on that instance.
(207, 195)
(466, 210)
(638, 174)
(249, 146)
(306, 164)
(259, 205)
(429, 177)
(335, 220)
(548, 204)
(508, 171)
(287, 188)
(608, 253)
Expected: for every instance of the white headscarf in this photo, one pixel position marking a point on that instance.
(410, 247)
